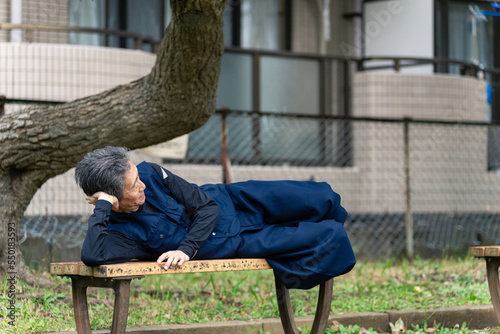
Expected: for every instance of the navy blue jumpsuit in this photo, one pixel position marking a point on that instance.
(296, 225)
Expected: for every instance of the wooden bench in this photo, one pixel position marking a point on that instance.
(492, 256)
(119, 276)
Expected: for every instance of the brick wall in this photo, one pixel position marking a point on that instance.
(307, 28)
(305, 25)
(41, 12)
(46, 12)
(449, 169)
(57, 72)
(4, 17)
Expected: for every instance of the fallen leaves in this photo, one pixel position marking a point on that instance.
(398, 327)
(337, 327)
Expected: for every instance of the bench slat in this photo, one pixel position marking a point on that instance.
(492, 251)
(477, 251)
(485, 251)
(153, 268)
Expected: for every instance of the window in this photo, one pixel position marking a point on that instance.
(126, 15)
(258, 24)
(470, 31)
(89, 14)
(463, 33)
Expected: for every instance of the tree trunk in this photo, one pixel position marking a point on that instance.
(178, 96)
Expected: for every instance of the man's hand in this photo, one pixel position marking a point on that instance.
(104, 196)
(174, 258)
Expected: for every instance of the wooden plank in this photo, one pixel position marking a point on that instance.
(83, 270)
(56, 268)
(153, 268)
(477, 251)
(485, 251)
(65, 268)
(491, 251)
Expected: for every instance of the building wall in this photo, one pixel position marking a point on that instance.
(57, 72)
(4, 17)
(305, 26)
(46, 12)
(437, 97)
(38, 12)
(47, 70)
(449, 170)
(311, 35)
(400, 29)
(342, 29)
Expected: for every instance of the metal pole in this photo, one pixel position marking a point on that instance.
(224, 151)
(256, 119)
(2, 105)
(16, 17)
(409, 219)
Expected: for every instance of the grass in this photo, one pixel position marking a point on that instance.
(186, 298)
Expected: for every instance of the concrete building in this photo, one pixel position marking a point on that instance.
(426, 59)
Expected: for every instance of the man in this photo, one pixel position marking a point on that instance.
(145, 212)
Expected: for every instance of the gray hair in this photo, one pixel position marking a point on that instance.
(103, 170)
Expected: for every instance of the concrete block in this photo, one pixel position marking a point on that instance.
(272, 326)
(377, 320)
(226, 327)
(481, 316)
(475, 317)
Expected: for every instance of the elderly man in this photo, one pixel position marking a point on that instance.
(145, 212)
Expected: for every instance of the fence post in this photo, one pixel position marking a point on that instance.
(409, 219)
(224, 150)
(2, 105)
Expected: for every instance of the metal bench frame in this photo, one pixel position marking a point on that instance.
(491, 254)
(119, 276)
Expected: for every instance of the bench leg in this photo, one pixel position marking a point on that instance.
(80, 307)
(120, 313)
(492, 265)
(322, 308)
(121, 287)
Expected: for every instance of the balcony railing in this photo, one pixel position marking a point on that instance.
(466, 68)
(138, 39)
(291, 82)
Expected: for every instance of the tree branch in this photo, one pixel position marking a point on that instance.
(175, 98)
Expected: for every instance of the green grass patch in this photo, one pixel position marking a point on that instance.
(246, 295)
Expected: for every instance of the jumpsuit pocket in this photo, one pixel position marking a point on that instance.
(166, 235)
(227, 226)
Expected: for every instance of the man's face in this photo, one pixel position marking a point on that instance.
(133, 194)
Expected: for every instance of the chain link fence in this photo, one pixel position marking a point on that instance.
(412, 188)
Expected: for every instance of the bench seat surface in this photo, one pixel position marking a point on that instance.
(153, 268)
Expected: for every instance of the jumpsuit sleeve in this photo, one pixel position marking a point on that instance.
(204, 210)
(103, 246)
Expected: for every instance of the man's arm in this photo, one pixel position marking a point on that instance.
(205, 214)
(93, 249)
(102, 246)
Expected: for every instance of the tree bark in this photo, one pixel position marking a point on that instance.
(178, 96)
